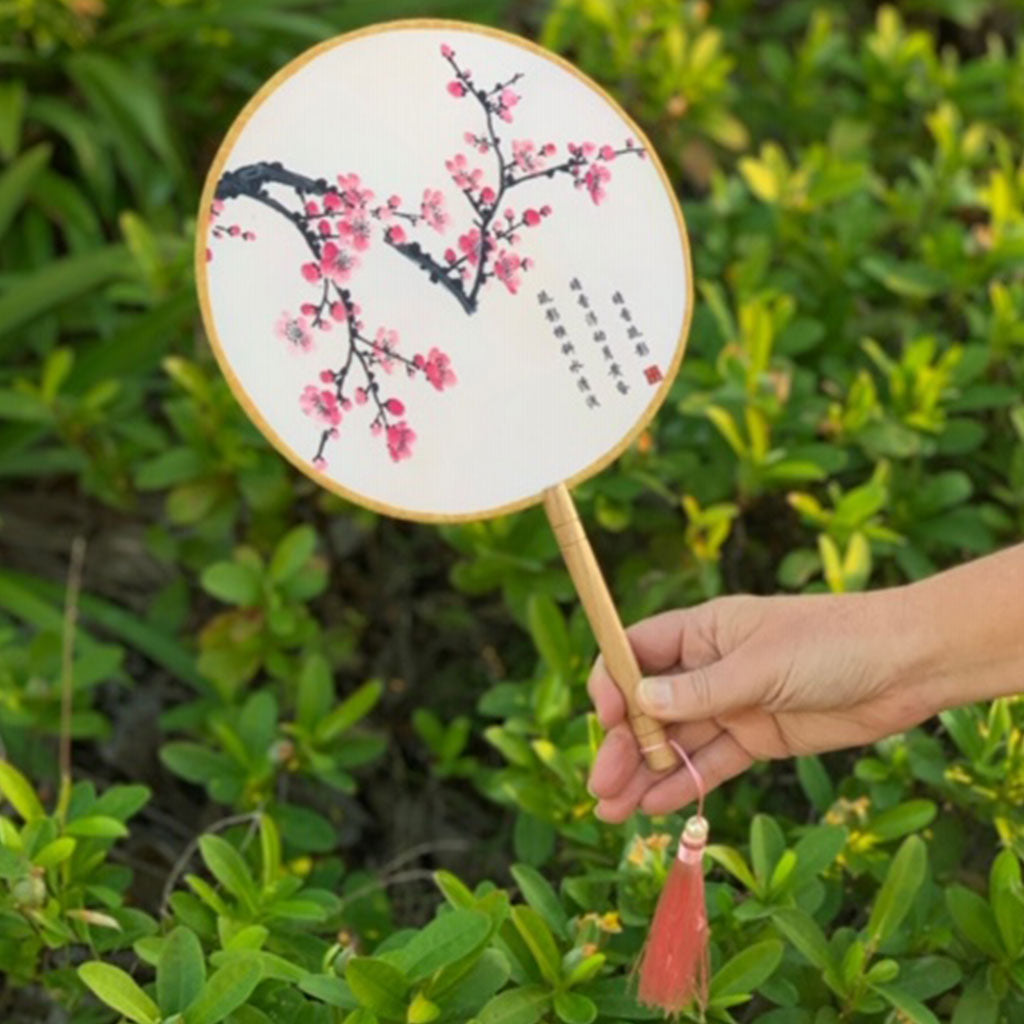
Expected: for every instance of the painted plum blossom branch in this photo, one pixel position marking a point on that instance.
(488, 249)
(334, 220)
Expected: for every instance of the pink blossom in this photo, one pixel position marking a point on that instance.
(394, 202)
(332, 202)
(294, 330)
(311, 272)
(312, 208)
(338, 310)
(394, 406)
(321, 405)
(607, 153)
(376, 428)
(506, 268)
(596, 176)
(438, 368)
(449, 255)
(456, 88)
(320, 463)
(327, 376)
(506, 101)
(217, 206)
(525, 155)
(588, 149)
(385, 345)
(356, 231)
(471, 244)
(488, 195)
(464, 178)
(395, 234)
(433, 209)
(360, 396)
(545, 210)
(324, 227)
(531, 218)
(337, 263)
(400, 438)
(446, 51)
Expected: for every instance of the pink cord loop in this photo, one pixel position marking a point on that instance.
(698, 779)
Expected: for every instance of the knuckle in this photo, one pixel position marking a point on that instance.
(700, 687)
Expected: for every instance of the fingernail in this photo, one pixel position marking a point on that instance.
(656, 694)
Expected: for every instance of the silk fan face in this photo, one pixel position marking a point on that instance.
(442, 270)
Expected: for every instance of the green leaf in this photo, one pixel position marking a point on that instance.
(180, 971)
(28, 296)
(1007, 899)
(455, 891)
(803, 932)
(911, 280)
(96, 826)
(270, 850)
(975, 919)
(228, 989)
(733, 862)
(449, 937)
(378, 985)
(233, 583)
(293, 552)
(228, 867)
(537, 936)
(17, 179)
(910, 816)
(54, 853)
(573, 1008)
(748, 969)
(550, 636)
(114, 987)
(910, 1009)
(355, 707)
(19, 793)
(524, 1005)
(905, 876)
(316, 691)
(539, 894)
(766, 845)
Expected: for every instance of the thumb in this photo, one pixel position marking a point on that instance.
(718, 688)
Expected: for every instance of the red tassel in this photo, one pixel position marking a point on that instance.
(674, 966)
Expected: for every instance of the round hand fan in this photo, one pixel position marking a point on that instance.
(447, 277)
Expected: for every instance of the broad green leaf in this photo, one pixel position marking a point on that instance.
(96, 826)
(378, 985)
(905, 876)
(449, 937)
(1007, 900)
(910, 1009)
(524, 1005)
(748, 969)
(766, 845)
(54, 853)
(233, 583)
(114, 987)
(550, 636)
(227, 989)
(539, 894)
(574, 1008)
(292, 553)
(803, 932)
(228, 867)
(180, 971)
(974, 917)
(18, 791)
(911, 816)
(537, 936)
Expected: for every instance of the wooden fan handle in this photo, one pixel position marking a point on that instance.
(604, 621)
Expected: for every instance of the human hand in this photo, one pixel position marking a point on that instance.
(750, 678)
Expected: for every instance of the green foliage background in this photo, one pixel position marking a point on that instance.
(328, 767)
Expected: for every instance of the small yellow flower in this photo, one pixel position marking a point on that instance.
(610, 922)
